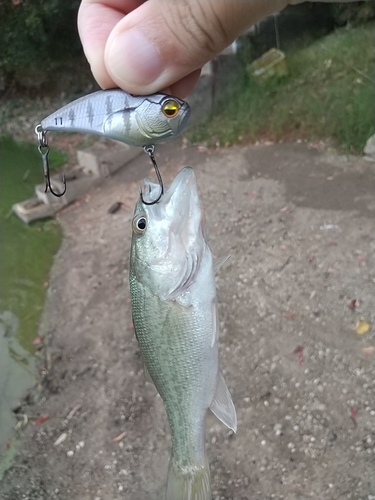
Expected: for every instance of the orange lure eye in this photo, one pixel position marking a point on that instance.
(170, 108)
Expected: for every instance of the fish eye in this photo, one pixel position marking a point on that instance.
(170, 108)
(139, 223)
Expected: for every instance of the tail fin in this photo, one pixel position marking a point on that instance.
(188, 484)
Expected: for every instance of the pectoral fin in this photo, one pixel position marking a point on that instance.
(222, 405)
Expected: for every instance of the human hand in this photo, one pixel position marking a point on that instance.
(148, 46)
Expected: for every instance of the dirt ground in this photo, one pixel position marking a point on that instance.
(298, 222)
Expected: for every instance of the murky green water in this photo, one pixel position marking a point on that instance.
(26, 253)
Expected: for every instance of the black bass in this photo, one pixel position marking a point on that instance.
(175, 315)
(134, 120)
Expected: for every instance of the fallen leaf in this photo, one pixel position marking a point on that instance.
(60, 439)
(73, 412)
(41, 419)
(290, 314)
(362, 327)
(38, 341)
(368, 351)
(301, 354)
(119, 438)
(353, 413)
(353, 304)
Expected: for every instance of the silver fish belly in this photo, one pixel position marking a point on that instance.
(134, 120)
(175, 316)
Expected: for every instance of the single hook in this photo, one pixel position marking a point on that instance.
(150, 151)
(44, 149)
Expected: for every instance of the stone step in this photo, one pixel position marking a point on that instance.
(34, 209)
(106, 157)
(77, 184)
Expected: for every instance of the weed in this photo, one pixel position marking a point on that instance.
(328, 94)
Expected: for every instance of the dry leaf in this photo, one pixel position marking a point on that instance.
(353, 304)
(41, 419)
(60, 439)
(290, 314)
(368, 351)
(362, 327)
(119, 438)
(73, 412)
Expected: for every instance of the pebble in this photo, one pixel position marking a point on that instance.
(70, 453)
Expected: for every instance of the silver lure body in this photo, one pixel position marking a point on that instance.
(134, 120)
(175, 316)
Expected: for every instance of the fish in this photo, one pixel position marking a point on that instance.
(175, 316)
(133, 120)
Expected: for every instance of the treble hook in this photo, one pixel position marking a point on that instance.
(150, 151)
(44, 149)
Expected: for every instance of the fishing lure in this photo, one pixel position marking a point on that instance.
(135, 120)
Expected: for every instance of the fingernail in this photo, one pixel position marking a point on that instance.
(133, 59)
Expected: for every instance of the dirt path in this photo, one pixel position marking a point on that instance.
(298, 224)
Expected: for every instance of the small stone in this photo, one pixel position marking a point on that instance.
(70, 453)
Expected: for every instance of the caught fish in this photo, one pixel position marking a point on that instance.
(134, 120)
(175, 316)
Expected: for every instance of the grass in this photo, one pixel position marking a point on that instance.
(328, 94)
(26, 251)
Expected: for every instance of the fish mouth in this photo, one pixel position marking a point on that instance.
(179, 203)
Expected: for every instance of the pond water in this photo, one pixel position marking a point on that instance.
(26, 253)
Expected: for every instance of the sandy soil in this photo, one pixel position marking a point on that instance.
(298, 223)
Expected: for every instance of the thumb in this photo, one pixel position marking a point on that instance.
(162, 41)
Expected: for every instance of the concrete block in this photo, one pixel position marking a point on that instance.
(77, 187)
(48, 198)
(33, 209)
(104, 158)
(369, 149)
(88, 159)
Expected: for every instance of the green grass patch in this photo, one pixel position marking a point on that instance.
(329, 93)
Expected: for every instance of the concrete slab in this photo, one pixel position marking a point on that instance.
(104, 158)
(34, 209)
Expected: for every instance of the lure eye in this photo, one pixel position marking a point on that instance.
(139, 224)
(170, 108)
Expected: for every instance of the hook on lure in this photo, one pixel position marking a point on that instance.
(150, 151)
(44, 149)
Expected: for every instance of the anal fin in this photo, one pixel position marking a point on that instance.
(222, 405)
